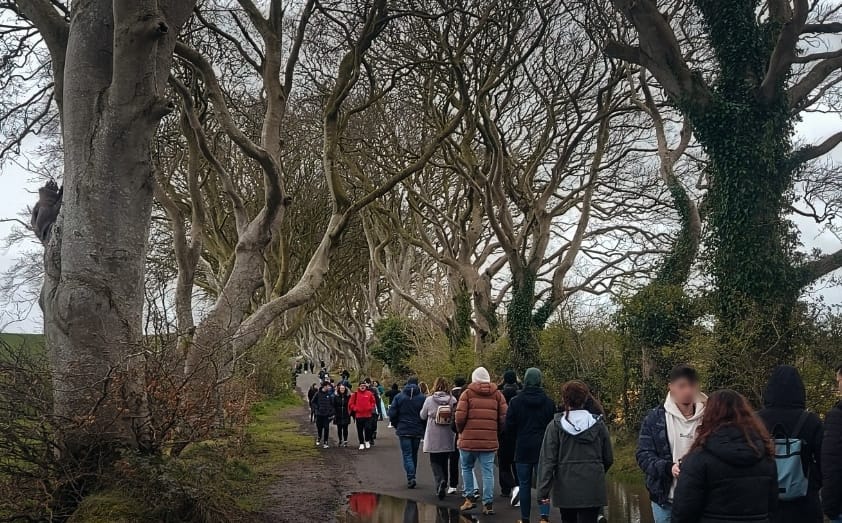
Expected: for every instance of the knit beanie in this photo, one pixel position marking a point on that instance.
(510, 377)
(480, 375)
(532, 378)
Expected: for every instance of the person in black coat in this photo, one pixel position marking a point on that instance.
(506, 452)
(831, 459)
(526, 421)
(310, 393)
(729, 474)
(784, 404)
(342, 416)
(322, 403)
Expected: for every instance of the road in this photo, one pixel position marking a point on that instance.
(379, 470)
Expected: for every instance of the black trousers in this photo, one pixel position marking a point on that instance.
(364, 429)
(322, 428)
(453, 462)
(440, 464)
(580, 515)
(508, 474)
(342, 432)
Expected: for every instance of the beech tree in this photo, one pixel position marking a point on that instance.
(743, 105)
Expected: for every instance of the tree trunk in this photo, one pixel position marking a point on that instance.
(117, 57)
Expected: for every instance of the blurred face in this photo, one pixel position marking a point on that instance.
(363, 387)
(684, 391)
(342, 389)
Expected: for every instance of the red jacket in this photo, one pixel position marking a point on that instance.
(362, 404)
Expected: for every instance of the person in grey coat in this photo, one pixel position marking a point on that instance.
(575, 455)
(439, 439)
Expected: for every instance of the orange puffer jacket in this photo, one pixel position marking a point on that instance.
(480, 416)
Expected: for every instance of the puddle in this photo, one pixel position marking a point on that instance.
(367, 507)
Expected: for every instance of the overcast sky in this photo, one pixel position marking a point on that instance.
(18, 190)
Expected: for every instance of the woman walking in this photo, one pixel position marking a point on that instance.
(439, 439)
(730, 473)
(362, 406)
(575, 455)
(323, 405)
(311, 392)
(342, 413)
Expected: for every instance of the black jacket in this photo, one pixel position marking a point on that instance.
(832, 463)
(322, 404)
(784, 402)
(405, 412)
(340, 409)
(726, 480)
(654, 455)
(526, 420)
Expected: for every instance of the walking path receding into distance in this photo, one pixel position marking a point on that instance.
(379, 470)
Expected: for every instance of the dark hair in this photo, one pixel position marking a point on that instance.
(729, 408)
(683, 371)
(574, 396)
(594, 406)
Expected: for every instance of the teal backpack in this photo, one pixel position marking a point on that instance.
(792, 478)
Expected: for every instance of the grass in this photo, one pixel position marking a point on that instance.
(625, 468)
(237, 470)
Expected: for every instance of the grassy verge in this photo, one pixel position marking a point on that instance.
(625, 466)
(220, 480)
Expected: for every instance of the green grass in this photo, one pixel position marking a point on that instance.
(625, 466)
(238, 469)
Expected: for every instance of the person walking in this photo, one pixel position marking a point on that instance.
(455, 460)
(575, 455)
(439, 439)
(361, 406)
(506, 454)
(311, 392)
(377, 414)
(785, 416)
(527, 418)
(831, 459)
(666, 435)
(480, 416)
(342, 413)
(405, 415)
(390, 396)
(729, 473)
(323, 405)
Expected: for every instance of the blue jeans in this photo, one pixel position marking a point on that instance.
(662, 513)
(524, 476)
(486, 463)
(409, 449)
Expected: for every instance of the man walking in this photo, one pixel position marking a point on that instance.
(480, 417)
(526, 421)
(666, 436)
(405, 415)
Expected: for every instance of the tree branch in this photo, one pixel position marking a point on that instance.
(785, 50)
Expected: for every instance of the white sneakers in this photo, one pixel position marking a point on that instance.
(367, 445)
(326, 446)
(451, 491)
(515, 497)
(362, 447)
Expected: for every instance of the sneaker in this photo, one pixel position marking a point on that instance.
(487, 509)
(451, 491)
(516, 497)
(441, 491)
(545, 519)
(325, 446)
(469, 504)
(390, 426)
(410, 484)
(371, 443)
(362, 447)
(367, 444)
(602, 519)
(318, 443)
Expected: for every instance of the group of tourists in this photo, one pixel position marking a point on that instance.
(335, 403)
(713, 459)
(706, 459)
(467, 426)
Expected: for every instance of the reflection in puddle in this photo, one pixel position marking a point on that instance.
(367, 507)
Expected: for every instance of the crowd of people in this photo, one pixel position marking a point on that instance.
(706, 459)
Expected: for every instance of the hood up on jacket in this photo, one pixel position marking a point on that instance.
(785, 389)
(532, 378)
(577, 422)
(731, 446)
(412, 389)
(509, 377)
(441, 397)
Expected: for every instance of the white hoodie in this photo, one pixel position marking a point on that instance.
(681, 431)
(580, 421)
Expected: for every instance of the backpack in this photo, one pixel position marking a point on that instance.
(792, 479)
(444, 414)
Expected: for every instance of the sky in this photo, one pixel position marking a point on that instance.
(18, 190)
